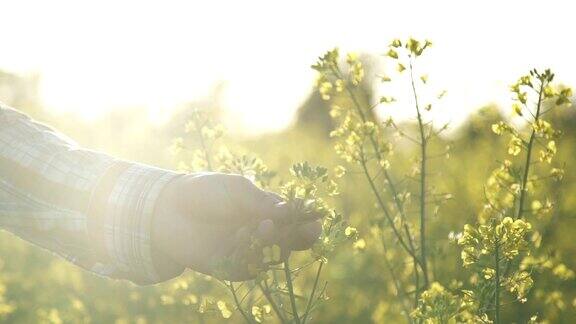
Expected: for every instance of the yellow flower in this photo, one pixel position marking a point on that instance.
(350, 231)
(392, 53)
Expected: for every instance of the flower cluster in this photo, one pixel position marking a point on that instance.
(508, 237)
(437, 305)
(491, 248)
(502, 248)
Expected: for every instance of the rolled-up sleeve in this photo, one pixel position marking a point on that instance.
(86, 206)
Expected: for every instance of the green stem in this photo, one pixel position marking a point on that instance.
(290, 286)
(238, 304)
(410, 248)
(266, 291)
(497, 284)
(311, 298)
(385, 210)
(523, 189)
(396, 282)
(391, 185)
(387, 175)
(202, 141)
(423, 147)
(394, 192)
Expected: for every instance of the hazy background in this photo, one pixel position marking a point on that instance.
(253, 56)
(122, 77)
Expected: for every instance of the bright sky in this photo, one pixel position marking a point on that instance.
(102, 55)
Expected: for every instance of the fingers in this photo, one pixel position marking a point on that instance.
(266, 232)
(304, 236)
(274, 217)
(253, 203)
(298, 237)
(290, 237)
(215, 198)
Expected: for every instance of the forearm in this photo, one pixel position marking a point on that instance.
(91, 208)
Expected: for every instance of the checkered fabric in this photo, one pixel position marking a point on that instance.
(90, 208)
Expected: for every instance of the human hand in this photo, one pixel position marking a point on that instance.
(202, 220)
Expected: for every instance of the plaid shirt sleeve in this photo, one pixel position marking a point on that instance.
(90, 208)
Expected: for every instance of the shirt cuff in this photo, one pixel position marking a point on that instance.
(126, 222)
